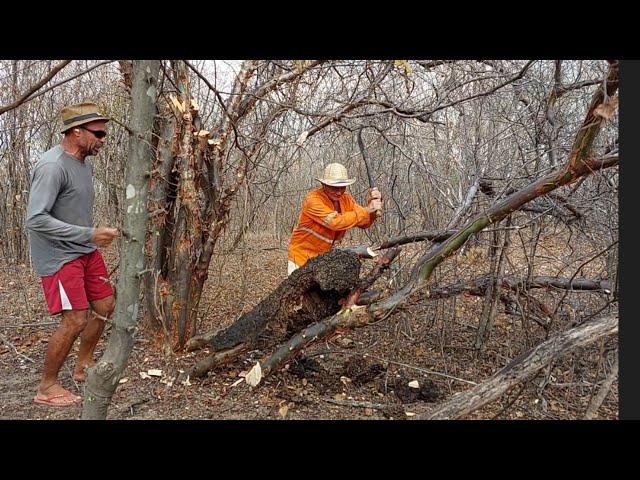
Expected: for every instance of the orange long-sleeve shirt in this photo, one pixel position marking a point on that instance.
(320, 226)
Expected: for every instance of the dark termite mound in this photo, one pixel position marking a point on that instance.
(308, 295)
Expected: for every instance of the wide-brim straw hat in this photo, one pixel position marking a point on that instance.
(79, 114)
(335, 175)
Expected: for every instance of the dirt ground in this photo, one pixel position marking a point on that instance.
(361, 374)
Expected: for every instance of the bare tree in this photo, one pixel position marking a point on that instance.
(102, 379)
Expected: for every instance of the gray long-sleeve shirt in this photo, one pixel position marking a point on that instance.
(59, 214)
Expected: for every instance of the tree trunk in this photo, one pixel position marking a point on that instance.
(188, 227)
(103, 378)
(487, 317)
(210, 167)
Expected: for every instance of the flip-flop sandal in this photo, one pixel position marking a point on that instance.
(50, 400)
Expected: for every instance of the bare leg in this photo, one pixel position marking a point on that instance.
(60, 343)
(90, 336)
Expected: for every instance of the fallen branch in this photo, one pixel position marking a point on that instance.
(363, 251)
(21, 325)
(217, 359)
(478, 286)
(523, 367)
(375, 273)
(423, 370)
(346, 318)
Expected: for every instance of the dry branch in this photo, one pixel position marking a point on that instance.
(363, 251)
(35, 87)
(466, 203)
(4, 340)
(357, 404)
(73, 77)
(435, 236)
(478, 286)
(425, 115)
(212, 361)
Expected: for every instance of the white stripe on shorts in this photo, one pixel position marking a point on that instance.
(66, 304)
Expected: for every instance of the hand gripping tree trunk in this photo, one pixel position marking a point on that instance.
(103, 379)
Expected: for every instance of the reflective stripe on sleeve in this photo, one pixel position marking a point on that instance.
(316, 234)
(328, 218)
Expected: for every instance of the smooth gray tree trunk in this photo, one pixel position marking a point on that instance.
(103, 378)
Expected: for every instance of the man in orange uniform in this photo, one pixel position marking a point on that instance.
(327, 213)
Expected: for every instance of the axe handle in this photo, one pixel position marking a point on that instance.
(366, 164)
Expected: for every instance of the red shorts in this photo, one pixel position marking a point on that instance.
(77, 283)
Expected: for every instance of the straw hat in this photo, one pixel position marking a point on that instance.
(335, 175)
(79, 114)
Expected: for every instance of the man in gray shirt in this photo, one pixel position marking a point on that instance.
(64, 248)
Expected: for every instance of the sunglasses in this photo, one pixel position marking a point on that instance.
(96, 133)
